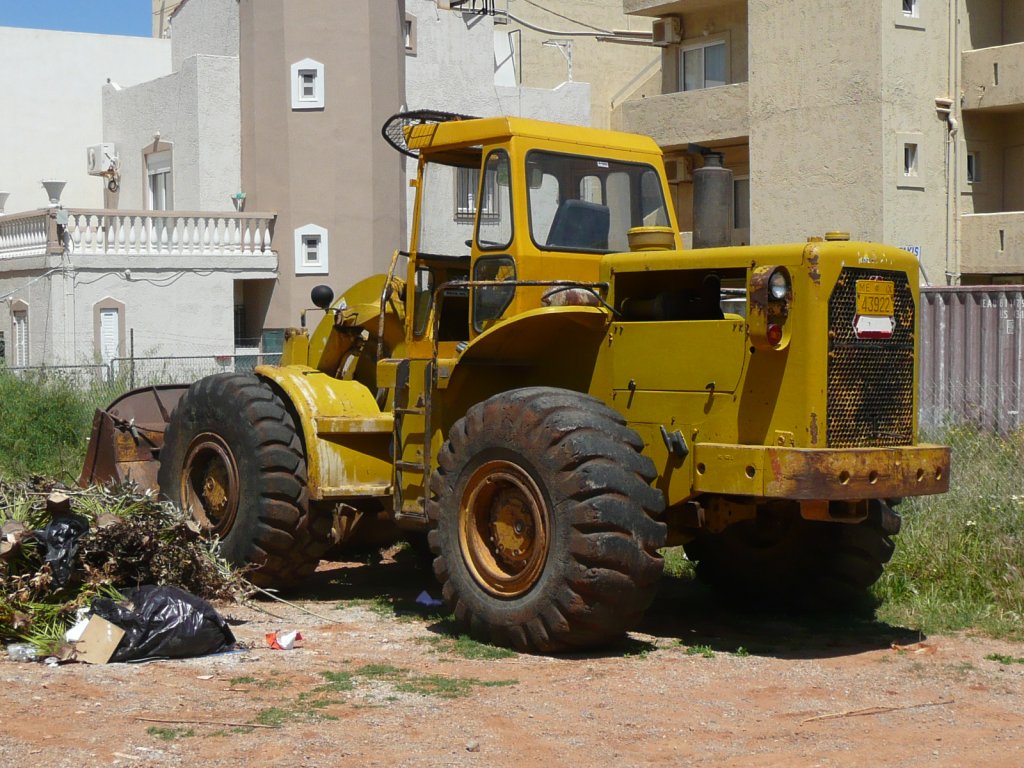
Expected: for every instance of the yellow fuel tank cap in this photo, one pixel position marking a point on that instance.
(837, 236)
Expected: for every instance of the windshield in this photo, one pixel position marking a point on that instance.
(582, 203)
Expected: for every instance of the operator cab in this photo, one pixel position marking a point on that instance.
(518, 201)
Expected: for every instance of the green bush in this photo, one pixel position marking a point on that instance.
(45, 423)
(959, 559)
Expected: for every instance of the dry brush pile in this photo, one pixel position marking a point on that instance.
(47, 571)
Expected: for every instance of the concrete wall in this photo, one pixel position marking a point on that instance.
(983, 88)
(175, 309)
(988, 23)
(206, 26)
(917, 211)
(196, 112)
(613, 70)
(816, 120)
(50, 89)
(326, 167)
(452, 70)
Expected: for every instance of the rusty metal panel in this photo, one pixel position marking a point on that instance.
(972, 345)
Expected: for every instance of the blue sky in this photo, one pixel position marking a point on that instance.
(109, 17)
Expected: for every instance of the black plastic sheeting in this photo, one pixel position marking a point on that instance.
(164, 623)
(61, 539)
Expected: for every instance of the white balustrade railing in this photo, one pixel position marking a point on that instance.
(145, 233)
(26, 234)
(139, 233)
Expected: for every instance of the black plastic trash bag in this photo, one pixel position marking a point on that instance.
(164, 623)
(61, 538)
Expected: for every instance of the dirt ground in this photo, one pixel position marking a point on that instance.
(696, 685)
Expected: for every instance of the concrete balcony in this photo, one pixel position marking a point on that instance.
(182, 239)
(670, 7)
(992, 243)
(993, 78)
(677, 119)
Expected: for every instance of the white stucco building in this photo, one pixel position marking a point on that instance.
(155, 266)
(50, 88)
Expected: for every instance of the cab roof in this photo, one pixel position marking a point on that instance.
(429, 138)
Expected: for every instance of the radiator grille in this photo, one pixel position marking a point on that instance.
(870, 381)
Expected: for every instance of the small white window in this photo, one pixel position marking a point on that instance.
(703, 65)
(409, 34)
(910, 160)
(311, 245)
(20, 338)
(973, 168)
(910, 9)
(308, 86)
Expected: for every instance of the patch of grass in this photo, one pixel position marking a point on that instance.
(676, 564)
(379, 605)
(427, 685)
(169, 734)
(701, 650)
(468, 648)
(337, 682)
(46, 422)
(381, 672)
(1004, 659)
(959, 560)
(741, 652)
(276, 716)
(446, 687)
(242, 680)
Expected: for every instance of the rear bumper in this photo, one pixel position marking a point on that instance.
(821, 474)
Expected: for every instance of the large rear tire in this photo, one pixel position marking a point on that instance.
(544, 531)
(781, 556)
(232, 458)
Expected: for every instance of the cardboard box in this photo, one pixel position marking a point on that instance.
(98, 642)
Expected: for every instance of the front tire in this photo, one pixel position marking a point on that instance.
(233, 459)
(544, 531)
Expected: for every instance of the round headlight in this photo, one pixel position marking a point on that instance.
(778, 284)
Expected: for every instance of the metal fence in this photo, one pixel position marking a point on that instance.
(124, 373)
(972, 357)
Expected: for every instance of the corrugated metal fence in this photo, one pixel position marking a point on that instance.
(972, 341)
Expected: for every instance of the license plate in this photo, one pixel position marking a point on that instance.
(875, 297)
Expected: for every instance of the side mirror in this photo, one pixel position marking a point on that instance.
(322, 296)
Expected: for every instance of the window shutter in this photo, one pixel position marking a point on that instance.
(20, 339)
(109, 335)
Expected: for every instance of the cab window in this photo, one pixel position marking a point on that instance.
(583, 203)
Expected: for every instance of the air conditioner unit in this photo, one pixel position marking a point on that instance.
(101, 159)
(667, 31)
(676, 171)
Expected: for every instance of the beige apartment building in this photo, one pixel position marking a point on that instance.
(894, 120)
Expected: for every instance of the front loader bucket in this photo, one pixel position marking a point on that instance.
(127, 437)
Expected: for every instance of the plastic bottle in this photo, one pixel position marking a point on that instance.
(21, 652)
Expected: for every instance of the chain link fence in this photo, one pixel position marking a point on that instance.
(126, 373)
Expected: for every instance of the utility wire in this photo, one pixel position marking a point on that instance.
(567, 18)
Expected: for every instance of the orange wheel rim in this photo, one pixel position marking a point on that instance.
(503, 529)
(209, 483)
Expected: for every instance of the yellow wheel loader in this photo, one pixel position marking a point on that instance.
(551, 389)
